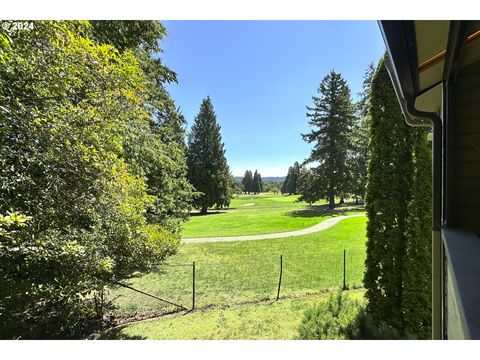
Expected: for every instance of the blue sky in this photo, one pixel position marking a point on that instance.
(261, 75)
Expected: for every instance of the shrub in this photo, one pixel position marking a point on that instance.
(341, 318)
(330, 320)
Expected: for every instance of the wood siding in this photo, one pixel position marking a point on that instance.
(466, 154)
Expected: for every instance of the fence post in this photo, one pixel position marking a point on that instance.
(193, 285)
(280, 278)
(344, 270)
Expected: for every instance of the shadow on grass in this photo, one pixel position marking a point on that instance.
(116, 334)
(323, 210)
(211, 212)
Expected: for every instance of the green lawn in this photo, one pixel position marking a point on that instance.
(237, 272)
(269, 321)
(260, 214)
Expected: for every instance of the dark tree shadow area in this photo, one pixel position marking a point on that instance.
(323, 210)
(210, 212)
(116, 334)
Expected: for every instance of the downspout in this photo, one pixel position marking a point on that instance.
(437, 248)
(416, 118)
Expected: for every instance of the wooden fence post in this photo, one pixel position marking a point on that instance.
(280, 278)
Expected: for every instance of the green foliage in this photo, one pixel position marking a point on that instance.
(387, 198)
(358, 154)
(330, 320)
(308, 186)
(398, 204)
(81, 158)
(417, 299)
(332, 119)
(290, 185)
(247, 181)
(343, 318)
(208, 170)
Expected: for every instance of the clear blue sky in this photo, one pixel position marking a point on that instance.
(261, 75)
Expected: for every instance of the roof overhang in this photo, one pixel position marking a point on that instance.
(422, 56)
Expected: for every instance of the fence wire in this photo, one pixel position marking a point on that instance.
(239, 279)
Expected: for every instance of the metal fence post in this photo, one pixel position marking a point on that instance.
(280, 278)
(193, 285)
(344, 270)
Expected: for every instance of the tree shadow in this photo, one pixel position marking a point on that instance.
(323, 210)
(210, 212)
(117, 334)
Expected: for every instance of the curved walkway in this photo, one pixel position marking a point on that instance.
(325, 224)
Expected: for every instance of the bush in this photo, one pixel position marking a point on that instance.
(330, 320)
(341, 318)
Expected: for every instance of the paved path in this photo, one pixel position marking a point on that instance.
(325, 224)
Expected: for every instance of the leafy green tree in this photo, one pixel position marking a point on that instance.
(68, 165)
(332, 119)
(387, 201)
(247, 181)
(159, 153)
(208, 170)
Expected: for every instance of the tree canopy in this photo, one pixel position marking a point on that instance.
(208, 170)
(91, 190)
(331, 118)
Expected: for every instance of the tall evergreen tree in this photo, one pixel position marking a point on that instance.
(247, 181)
(292, 183)
(387, 198)
(260, 181)
(307, 186)
(284, 189)
(256, 185)
(358, 156)
(208, 170)
(417, 277)
(332, 119)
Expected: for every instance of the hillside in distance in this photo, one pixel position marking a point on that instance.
(274, 179)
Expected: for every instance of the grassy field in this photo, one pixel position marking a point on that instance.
(260, 214)
(237, 282)
(238, 272)
(268, 320)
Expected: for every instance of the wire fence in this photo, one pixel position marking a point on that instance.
(242, 279)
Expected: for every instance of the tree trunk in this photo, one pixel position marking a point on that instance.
(204, 209)
(331, 202)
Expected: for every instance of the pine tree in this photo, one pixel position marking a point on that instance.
(292, 183)
(284, 189)
(417, 276)
(256, 187)
(208, 170)
(260, 181)
(358, 157)
(247, 182)
(307, 186)
(332, 119)
(387, 198)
